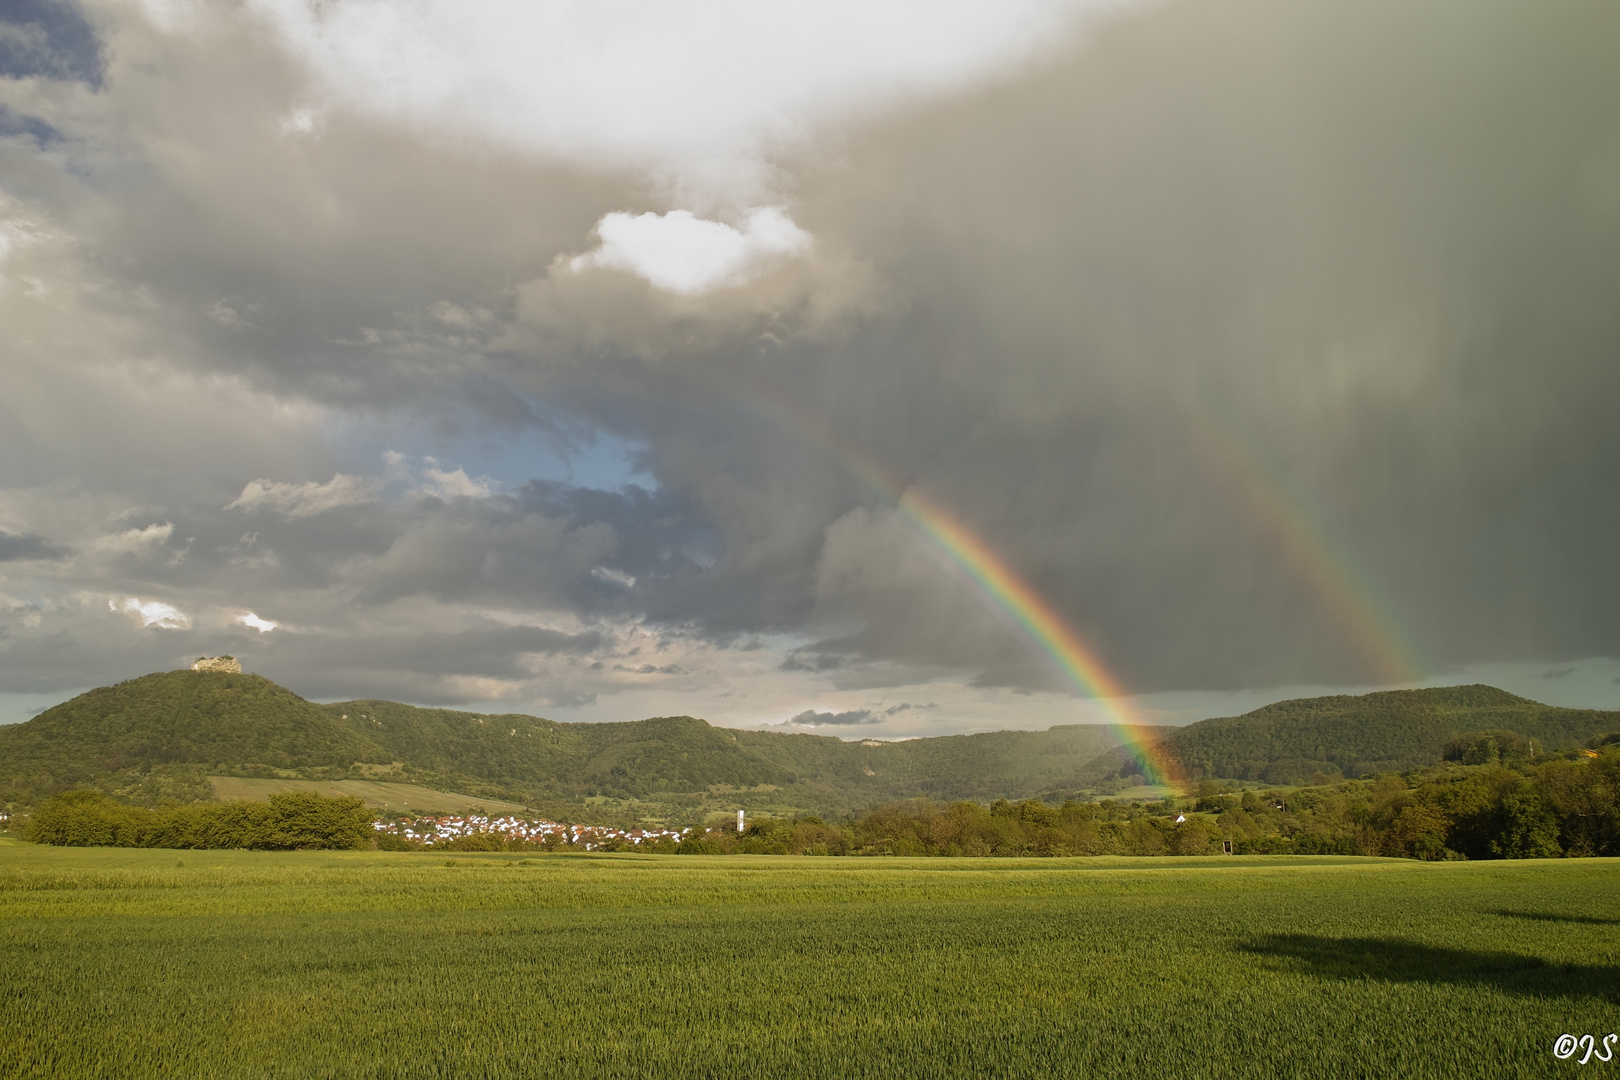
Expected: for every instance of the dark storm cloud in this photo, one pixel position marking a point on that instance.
(89, 646)
(426, 665)
(1381, 296)
(821, 656)
(660, 539)
(1271, 343)
(1251, 324)
(479, 650)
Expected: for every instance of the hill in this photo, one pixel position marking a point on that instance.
(163, 736)
(211, 720)
(672, 760)
(984, 766)
(1347, 736)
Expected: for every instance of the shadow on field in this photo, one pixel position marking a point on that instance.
(1548, 916)
(1405, 961)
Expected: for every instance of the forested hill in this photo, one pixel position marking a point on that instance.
(515, 753)
(661, 759)
(159, 737)
(174, 717)
(1349, 736)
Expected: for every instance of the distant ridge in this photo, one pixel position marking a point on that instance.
(160, 736)
(1348, 736)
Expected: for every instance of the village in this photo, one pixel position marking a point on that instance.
(445, 828)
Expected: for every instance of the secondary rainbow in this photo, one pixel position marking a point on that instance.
(1350, 596)
(1328, 572)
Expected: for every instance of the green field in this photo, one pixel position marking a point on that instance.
(124, 962)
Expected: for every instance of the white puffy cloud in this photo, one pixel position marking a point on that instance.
(153, 613)
(306, 499)
(685, 254)
(454, 483)
(696, 92)
(134, 541)
(263, 626)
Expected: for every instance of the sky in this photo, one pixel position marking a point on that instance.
(870, 370)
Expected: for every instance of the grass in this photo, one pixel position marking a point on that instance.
(378, 794)
(161, 963)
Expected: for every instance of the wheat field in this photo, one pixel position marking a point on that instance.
(124, 962)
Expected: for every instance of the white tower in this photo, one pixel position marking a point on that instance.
(739, 821)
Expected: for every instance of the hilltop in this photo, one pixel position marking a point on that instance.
(1297, 741)
(119, 736)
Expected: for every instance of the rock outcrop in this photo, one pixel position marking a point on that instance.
(218, 663)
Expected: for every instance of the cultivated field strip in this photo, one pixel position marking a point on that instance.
(338, 964)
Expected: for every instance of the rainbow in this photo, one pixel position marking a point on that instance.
(1310, 553)
(1346, 593)
(1002, 585)
(1046, 628)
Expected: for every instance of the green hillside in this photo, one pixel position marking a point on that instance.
(1291, 741)
(516, 753)
(171, 719)
(985, 766)
(660, 760)
(162, 736)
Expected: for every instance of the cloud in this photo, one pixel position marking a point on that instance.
(688, 255)
(153, 613)
(27, 546)
(454, 483)
(1237, 359)
(15, 233)
(698, 93)
(850, 718)
(263, 626)
(302, 122)
(651, 669)
(134, 541)
(49, 39)
(811, 718)
(306, 499)
(613, 577)
(13, 123)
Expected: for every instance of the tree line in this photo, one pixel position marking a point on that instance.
(1490, 801)
(290, 820)
(1494, 798)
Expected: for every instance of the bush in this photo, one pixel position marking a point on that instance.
(84, 819)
